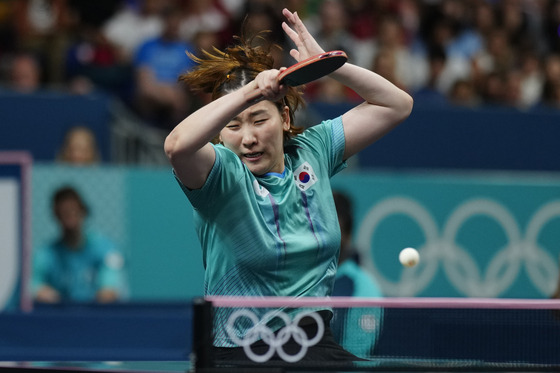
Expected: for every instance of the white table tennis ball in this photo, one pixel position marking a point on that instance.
(409, 257)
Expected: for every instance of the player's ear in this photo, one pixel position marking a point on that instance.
(286, 124)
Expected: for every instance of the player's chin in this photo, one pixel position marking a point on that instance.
(256, 170)
(256, 165)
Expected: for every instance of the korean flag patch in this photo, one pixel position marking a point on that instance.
(304, 176)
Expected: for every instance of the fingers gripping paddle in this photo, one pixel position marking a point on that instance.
(310, 69)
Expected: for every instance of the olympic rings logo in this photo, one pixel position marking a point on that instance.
(459, 266)
(259, 330)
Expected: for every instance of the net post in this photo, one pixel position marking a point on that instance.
(201, 357)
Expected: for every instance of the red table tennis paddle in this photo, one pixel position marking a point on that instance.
(310, 69)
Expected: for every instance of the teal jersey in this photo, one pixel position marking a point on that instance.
(79, 274)
(274, 235)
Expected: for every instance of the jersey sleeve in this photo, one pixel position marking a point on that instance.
(327, 141)
(225, 175)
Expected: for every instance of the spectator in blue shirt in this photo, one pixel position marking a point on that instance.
(160, 99)
(351, 279)
(356, 329)
(79, 265)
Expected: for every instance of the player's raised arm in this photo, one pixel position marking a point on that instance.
(384, 108)
(385, 104)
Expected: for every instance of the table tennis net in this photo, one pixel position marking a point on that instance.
(387, 334)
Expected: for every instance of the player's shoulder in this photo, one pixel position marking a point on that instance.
(324, 127)
(320, 133)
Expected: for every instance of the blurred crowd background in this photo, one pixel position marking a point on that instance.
(468, 53)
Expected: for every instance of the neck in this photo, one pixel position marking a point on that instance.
(73, 239)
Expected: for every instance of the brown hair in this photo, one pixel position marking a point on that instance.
(222, 72)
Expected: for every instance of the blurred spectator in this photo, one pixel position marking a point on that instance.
(494, 44)
(551, 94)
(532, 79)
(484, 19)
(551, 87)
(8, 34)
(362, 13)
(431, 94)
(92, 62)
(552, 67)
(463, 40)
(463, 93)
(409, 70)
(513, 19)
(443, 35)
(551, 26)
(351, 279)
(79, 147)
(356, 334)
(261, 15)
(204, 16)
(512, 96)
(205, 40)
(330, 28)
(43, 27)
(302, 7)
(160, 99)
(235, 7)
(80, 265)
(330, 91)
(492, 89)
(94, 13)
(129, 27)
(439, 28)
(385, 64)
(498, 55)
(25, 73)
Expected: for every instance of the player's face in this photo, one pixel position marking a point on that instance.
(256, 136)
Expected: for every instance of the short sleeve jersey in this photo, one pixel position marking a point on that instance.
(277, 234)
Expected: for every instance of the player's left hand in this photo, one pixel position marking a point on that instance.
(306, 45)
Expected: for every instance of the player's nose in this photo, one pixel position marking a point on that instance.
(249, 137)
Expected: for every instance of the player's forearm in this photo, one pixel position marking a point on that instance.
(374, 89)
(203, 125)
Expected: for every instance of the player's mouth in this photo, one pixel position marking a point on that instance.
(253, 157)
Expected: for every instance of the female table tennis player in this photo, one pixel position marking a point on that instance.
(260, 188)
